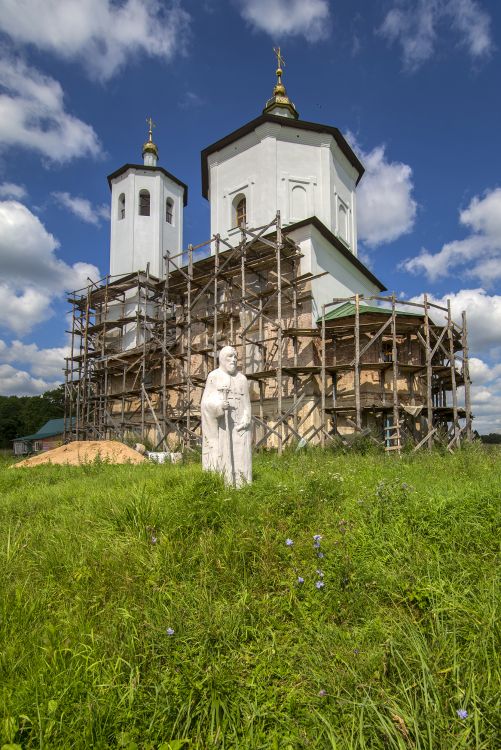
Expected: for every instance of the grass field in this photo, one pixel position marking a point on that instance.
(148, 607)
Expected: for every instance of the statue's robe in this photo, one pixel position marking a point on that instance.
(229, 453)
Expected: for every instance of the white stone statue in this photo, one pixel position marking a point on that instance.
(226, 421)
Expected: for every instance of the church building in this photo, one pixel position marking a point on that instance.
(279, 279)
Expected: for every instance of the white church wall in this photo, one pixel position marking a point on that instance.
(343, 279)
(138, 240)
(172, 234)
(122, 226)
(301, 173)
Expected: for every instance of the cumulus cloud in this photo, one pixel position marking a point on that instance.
(386, 209)
(11, 190)
(283, 18)
(418, 27)
(102, 34)
(43, 363)
(483, 315)
(485, 396)
(21, 309)
(478, 255)
(32, 274)
(83, 208)
(33, 114)
(14, 382)
(483, 311)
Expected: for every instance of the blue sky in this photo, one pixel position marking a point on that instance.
(415, 86)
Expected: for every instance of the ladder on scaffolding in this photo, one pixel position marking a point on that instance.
(392, 438)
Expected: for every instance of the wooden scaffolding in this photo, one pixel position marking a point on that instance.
(142, 347)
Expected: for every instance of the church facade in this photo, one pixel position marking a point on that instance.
(328, 356)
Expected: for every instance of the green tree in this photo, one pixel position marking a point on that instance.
(24, 415)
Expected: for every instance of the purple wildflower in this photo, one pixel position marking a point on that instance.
(320, 573)
(320, 555)
(322, 693)
(170, 631)
(154, 539)
(317, 537)
(289, 542)
(300, 580)
(320, 584)
(462, 713)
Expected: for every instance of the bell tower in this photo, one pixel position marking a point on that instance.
(147, 205)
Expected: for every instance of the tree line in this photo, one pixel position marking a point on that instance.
(24, 415)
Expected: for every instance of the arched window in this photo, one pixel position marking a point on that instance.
(144, 203)
(239, 211)
(169, 211)
(298, 202)
(121, 206)
(343, 223)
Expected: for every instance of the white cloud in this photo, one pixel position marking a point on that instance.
(478, 255)
(483, 313)
(483, 317)
(32, 275)
(419, 28)
(11, 190)
(283, 18)
(386, 209)
(481, 373)
(44, 363)
(101, 34)
(33, 115)
(21, 309)
(14, 382)
(83, 208)
(486, 396)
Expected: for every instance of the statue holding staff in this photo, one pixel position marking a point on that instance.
(226, 421)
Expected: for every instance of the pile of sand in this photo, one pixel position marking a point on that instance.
(84, 452)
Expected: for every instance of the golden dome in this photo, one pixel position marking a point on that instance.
(148, 146)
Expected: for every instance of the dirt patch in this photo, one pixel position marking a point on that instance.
(84, 452)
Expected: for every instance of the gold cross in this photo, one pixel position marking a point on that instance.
(280, 59)
(151, 125)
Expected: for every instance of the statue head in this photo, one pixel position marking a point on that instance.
(228, 360)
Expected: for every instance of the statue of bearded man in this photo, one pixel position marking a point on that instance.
(226, 421)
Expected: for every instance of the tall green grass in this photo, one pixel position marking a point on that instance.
(98, 562)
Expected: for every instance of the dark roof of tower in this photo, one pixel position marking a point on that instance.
(338, 244)
(147, 168)
(286, 123)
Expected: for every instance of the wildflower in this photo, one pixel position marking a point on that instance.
(322, 693)
(300, 580)
(154, 539)
(317, 537)
(462, 713)
(356, 651)
(320, 584)
(316, 545)
(170, 631)
(320, 555)
(289, 542)
(320, 573)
